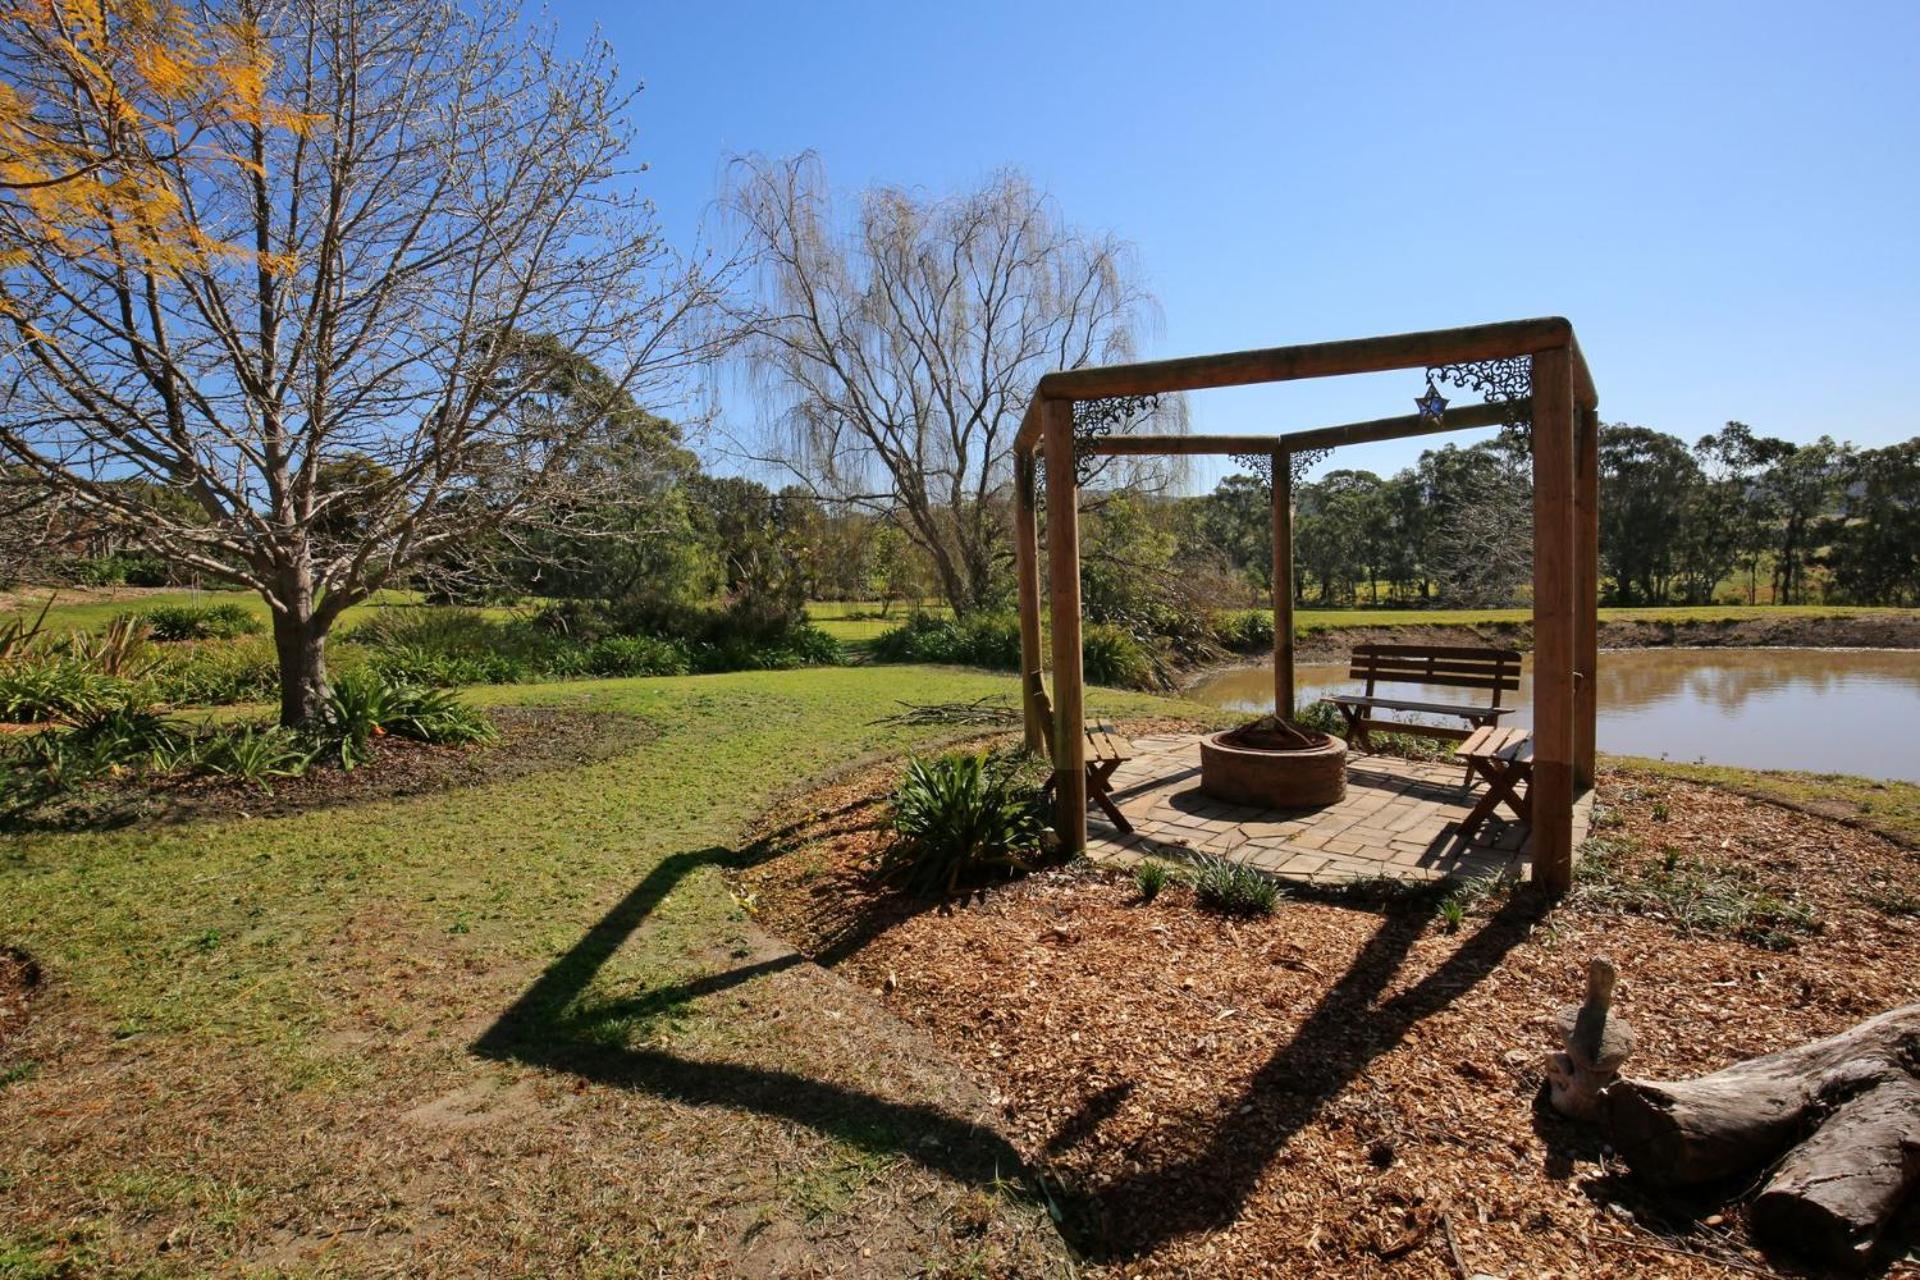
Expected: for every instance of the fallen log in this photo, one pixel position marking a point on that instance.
(1844, 1111)
(1833, 1192)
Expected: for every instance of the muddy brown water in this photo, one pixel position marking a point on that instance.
(1829, 710)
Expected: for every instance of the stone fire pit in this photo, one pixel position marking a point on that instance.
(1274, 764)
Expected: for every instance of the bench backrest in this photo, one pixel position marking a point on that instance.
(1454, 666)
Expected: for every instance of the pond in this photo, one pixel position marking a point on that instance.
(1829, 710)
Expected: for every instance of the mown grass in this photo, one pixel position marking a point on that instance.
(1889, 808)
(327, 963)
(91, 608)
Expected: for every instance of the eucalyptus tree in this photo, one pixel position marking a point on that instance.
(1647, 479)
(334, 316)
(898, 347)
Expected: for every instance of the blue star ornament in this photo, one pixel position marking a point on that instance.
(1431, 405)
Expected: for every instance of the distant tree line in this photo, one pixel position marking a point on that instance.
(1734, 517)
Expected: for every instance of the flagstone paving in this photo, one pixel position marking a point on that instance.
(1399, 819)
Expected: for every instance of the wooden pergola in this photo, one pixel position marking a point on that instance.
(1559, 401)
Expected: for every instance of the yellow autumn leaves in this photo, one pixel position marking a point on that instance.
(109, 111)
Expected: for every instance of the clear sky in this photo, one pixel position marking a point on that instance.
(1724, 198)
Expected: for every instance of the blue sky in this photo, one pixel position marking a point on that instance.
(1725, 199)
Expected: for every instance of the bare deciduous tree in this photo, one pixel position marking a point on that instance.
(900, 352)
(411, 222)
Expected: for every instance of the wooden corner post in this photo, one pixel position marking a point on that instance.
(1555, 618)
(1283, 691)
(1586, 603)
(1026, 555)
(1063, 573)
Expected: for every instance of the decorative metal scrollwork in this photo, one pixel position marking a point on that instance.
(1506, 382)
(1096, 419)
(1261, 464)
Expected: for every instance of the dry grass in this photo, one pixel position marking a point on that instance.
(1348, 1090)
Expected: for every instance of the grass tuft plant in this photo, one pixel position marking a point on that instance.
(1150, 877)
(1234, 888)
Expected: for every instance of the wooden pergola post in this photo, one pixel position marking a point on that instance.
(1026, 556)
(1586, 653)
(1283, 691)
(1555, 574)
(1063, 573)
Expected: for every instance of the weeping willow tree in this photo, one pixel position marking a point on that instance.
(898, 347)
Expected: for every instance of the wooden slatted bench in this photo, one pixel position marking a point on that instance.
(1106, 751)
(1504, 757)
(1450, 666)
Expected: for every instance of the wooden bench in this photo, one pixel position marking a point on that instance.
(1504, 757)
(1106, 751)
(1450, 666)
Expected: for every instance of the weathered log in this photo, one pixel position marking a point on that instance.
(1832, 1192)
(1851, 1102)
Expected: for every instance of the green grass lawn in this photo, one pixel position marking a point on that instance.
(525, 1024)
(89, 609)
(856, 624)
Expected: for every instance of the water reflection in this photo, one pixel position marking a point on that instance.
(1830, 710)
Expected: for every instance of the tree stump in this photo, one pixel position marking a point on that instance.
(1842, 1116)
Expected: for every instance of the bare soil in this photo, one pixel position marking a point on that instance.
(1351, 1089)
(19, 975)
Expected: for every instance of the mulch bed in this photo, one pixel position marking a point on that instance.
(531, 739)
(1354, 1089)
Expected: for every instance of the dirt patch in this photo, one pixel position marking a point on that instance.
(1354, 1090)
(531, 739)
(1867, 631)
(19, 976)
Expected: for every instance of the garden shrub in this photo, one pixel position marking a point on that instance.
(962, 819)
(636, 656)
(256, 754)
(44, 690)
(169, 623)
(214, 673)
(1245, 630)
(1111, 654)
(364, 705)
(978, 640)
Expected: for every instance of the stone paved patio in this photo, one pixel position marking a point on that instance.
(1400, 818)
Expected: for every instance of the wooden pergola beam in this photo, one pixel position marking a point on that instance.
(1316, 360)
(1369, 432)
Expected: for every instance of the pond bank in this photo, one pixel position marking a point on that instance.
(1891, 630)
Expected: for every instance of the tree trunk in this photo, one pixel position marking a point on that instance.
(301, 644)
(1856, 1093)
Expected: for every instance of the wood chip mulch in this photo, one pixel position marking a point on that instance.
(1353, 1090)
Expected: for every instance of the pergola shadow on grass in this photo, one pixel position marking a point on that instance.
(1533, 376)
(544, 1028)
(1359, 1018)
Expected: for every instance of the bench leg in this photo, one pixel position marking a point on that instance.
(1101, 794)
(1501, 786)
